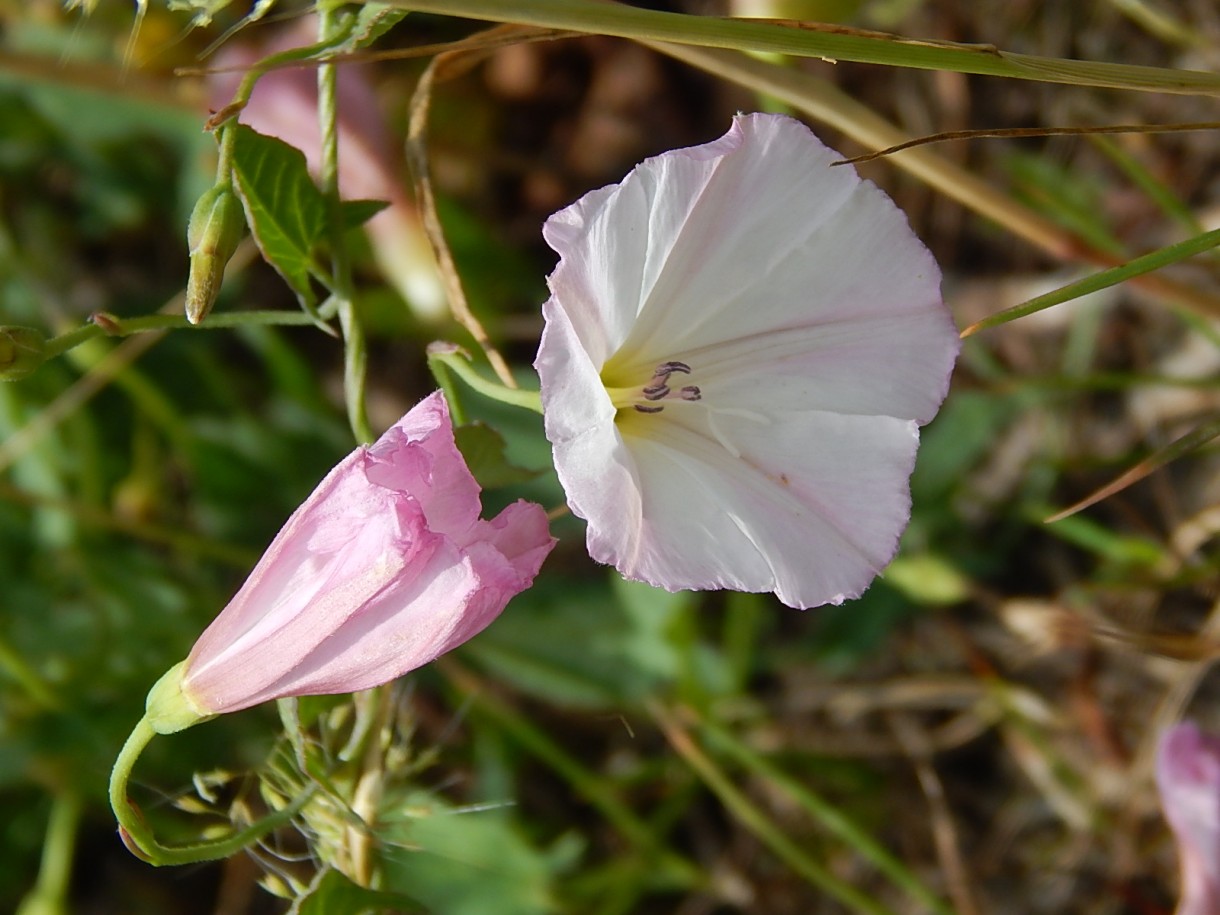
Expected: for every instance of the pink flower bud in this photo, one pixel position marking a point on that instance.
(386, 566)
(1188, 775)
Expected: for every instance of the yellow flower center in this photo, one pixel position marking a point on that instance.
(652, 397)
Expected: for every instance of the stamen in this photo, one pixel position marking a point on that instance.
(658, 387)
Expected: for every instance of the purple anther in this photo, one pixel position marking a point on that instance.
(644, 409)
(667, 368)
(691, 392)
(656, 392)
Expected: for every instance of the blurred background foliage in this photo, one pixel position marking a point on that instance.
(982, 718)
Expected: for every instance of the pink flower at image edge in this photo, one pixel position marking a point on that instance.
(1188, 776)
(384, 567)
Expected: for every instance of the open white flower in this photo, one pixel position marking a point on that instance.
(740, 345)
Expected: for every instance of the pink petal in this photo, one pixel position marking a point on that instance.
(1188, 776)
(383, 568)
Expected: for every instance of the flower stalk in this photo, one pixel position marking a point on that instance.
(447, 356)
(355, 352)
(138, 836)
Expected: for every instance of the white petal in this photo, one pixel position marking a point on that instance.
(813, 508)
(893, 365)
(780, 239)
(593, 465)
(598, 277)
(812, 320)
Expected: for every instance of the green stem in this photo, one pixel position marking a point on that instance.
(600, 18)
(444, 380)
(124, 327)
(138, 835)
(355, 353)
(450, 357)
(50, 894)
(223, 123)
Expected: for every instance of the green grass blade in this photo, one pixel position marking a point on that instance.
(595, 17)
(1146, 263)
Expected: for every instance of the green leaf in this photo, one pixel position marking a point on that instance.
(463, 862)
(336, 893)
(373, 21)
(595, 654)
(484, 450)
(928, 578)
(285, 209)
(354, 213)
(1101, 540)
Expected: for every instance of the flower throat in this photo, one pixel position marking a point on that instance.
(648, 399)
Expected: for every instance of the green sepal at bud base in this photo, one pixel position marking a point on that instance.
(216, 226)
(22, 350)
(167, 708)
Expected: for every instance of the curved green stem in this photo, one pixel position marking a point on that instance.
(138, 835)
(226, 137)
(447, 356)
(291, 57)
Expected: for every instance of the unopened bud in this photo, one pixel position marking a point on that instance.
(215, 228)
(22, 349)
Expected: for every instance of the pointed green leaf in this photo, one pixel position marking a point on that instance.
(373, 21)
(354, 213)
(285, 209)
